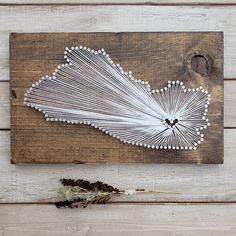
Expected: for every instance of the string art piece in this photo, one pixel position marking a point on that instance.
(91, 89)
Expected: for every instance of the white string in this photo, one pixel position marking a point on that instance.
(90, 89)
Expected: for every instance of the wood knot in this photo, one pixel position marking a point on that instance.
(13, 93)
(200, 63)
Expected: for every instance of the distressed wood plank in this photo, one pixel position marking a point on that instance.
(4, 105)
(229, 104)
(97, 2)
(36, 183)
(125, 220)
(118, 19)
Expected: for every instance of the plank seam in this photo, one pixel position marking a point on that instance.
(120, 4)
(130, 202)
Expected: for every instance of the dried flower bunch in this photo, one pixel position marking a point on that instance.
(76, 193)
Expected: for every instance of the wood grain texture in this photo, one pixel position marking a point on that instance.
(176, 183)
(157, 57)
(4, 105)
(33, 183)
(229, 104)
(119, 220)
(120, 2)
(119, 19)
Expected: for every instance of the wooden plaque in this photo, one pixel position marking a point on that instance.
(194, 58)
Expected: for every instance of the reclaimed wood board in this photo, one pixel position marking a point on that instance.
(194, 58)
(119, 220)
